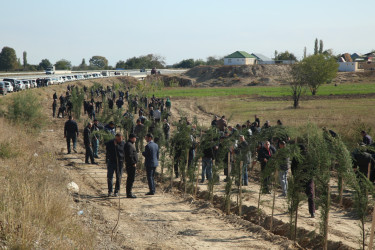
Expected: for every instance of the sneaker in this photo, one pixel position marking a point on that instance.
(131, 196)
(97, 157)
(94, 163)
(150, 193)
(109, 194)
(115, 195)
(312, 215)
(75, 151)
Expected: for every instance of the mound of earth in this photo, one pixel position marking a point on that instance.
(239, 75)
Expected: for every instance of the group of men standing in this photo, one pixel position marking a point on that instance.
(118, 154)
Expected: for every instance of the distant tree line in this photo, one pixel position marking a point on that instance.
(191, 63)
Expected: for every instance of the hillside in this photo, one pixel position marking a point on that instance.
(249, 75)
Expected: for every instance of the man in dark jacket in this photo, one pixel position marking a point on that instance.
(264, 154)
(244, 154)
(87, 142)
(139, 131)
(151, 155)
(131, 160)
(115, 156)
(54, 106)
(71, 133)
(208, 155)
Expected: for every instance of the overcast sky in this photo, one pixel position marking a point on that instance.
(180, 29)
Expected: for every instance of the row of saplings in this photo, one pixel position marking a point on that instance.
(317, 152)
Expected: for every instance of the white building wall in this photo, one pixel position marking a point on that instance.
(239, 61)
(348, 66)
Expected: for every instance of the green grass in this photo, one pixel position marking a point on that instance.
(270, 91)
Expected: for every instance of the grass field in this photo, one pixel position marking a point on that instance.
(269, 91)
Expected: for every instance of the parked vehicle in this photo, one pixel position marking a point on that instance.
(3, 88)
(11, 80)
(33, 82)
(27, 84)
(20, 85)
(9, 87)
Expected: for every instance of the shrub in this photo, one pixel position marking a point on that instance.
(25, 109)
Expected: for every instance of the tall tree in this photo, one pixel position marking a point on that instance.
(316, 70)
(24, 60)
(304, 53)
(276, 53)
(99, 61)
(297, 83)
(83, 64)
(321, 47)
(316, 46)
(63, 64)
(44, 64)
(8, 59)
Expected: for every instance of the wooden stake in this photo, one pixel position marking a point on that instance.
(341, 191)
(369, 170)
(240, 191)
(186, 171)
(325, 246)
(172, 174)
(273, 200)
(372, 230)
(196, 184)
(229, 165)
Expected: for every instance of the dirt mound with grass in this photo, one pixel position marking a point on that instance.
(239, 75)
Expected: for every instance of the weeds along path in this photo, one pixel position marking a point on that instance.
(162, 221)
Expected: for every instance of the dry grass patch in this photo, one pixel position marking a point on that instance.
(36, 210)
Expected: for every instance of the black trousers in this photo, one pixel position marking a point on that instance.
(111, 169)
(72, 138)
(53, 112)
(266, 179)
(309, 191)
(130, 170)
(89, 154)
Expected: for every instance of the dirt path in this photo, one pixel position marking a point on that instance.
(163, 221)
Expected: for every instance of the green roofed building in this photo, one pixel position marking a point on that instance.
(239, 58)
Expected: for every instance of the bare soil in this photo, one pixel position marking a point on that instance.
(163, 221)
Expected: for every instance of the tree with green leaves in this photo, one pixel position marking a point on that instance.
(316, 70)
(147, 62)
(8, 59)
(44, 64)
(99, 62)
(297, 85)
(286, 56)
(320, 46)
(316, 47)
(24, 59)
(121, 65)
(63, 64)
(213, 60)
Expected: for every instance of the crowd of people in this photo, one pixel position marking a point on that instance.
(230, 145)
(118, 153)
